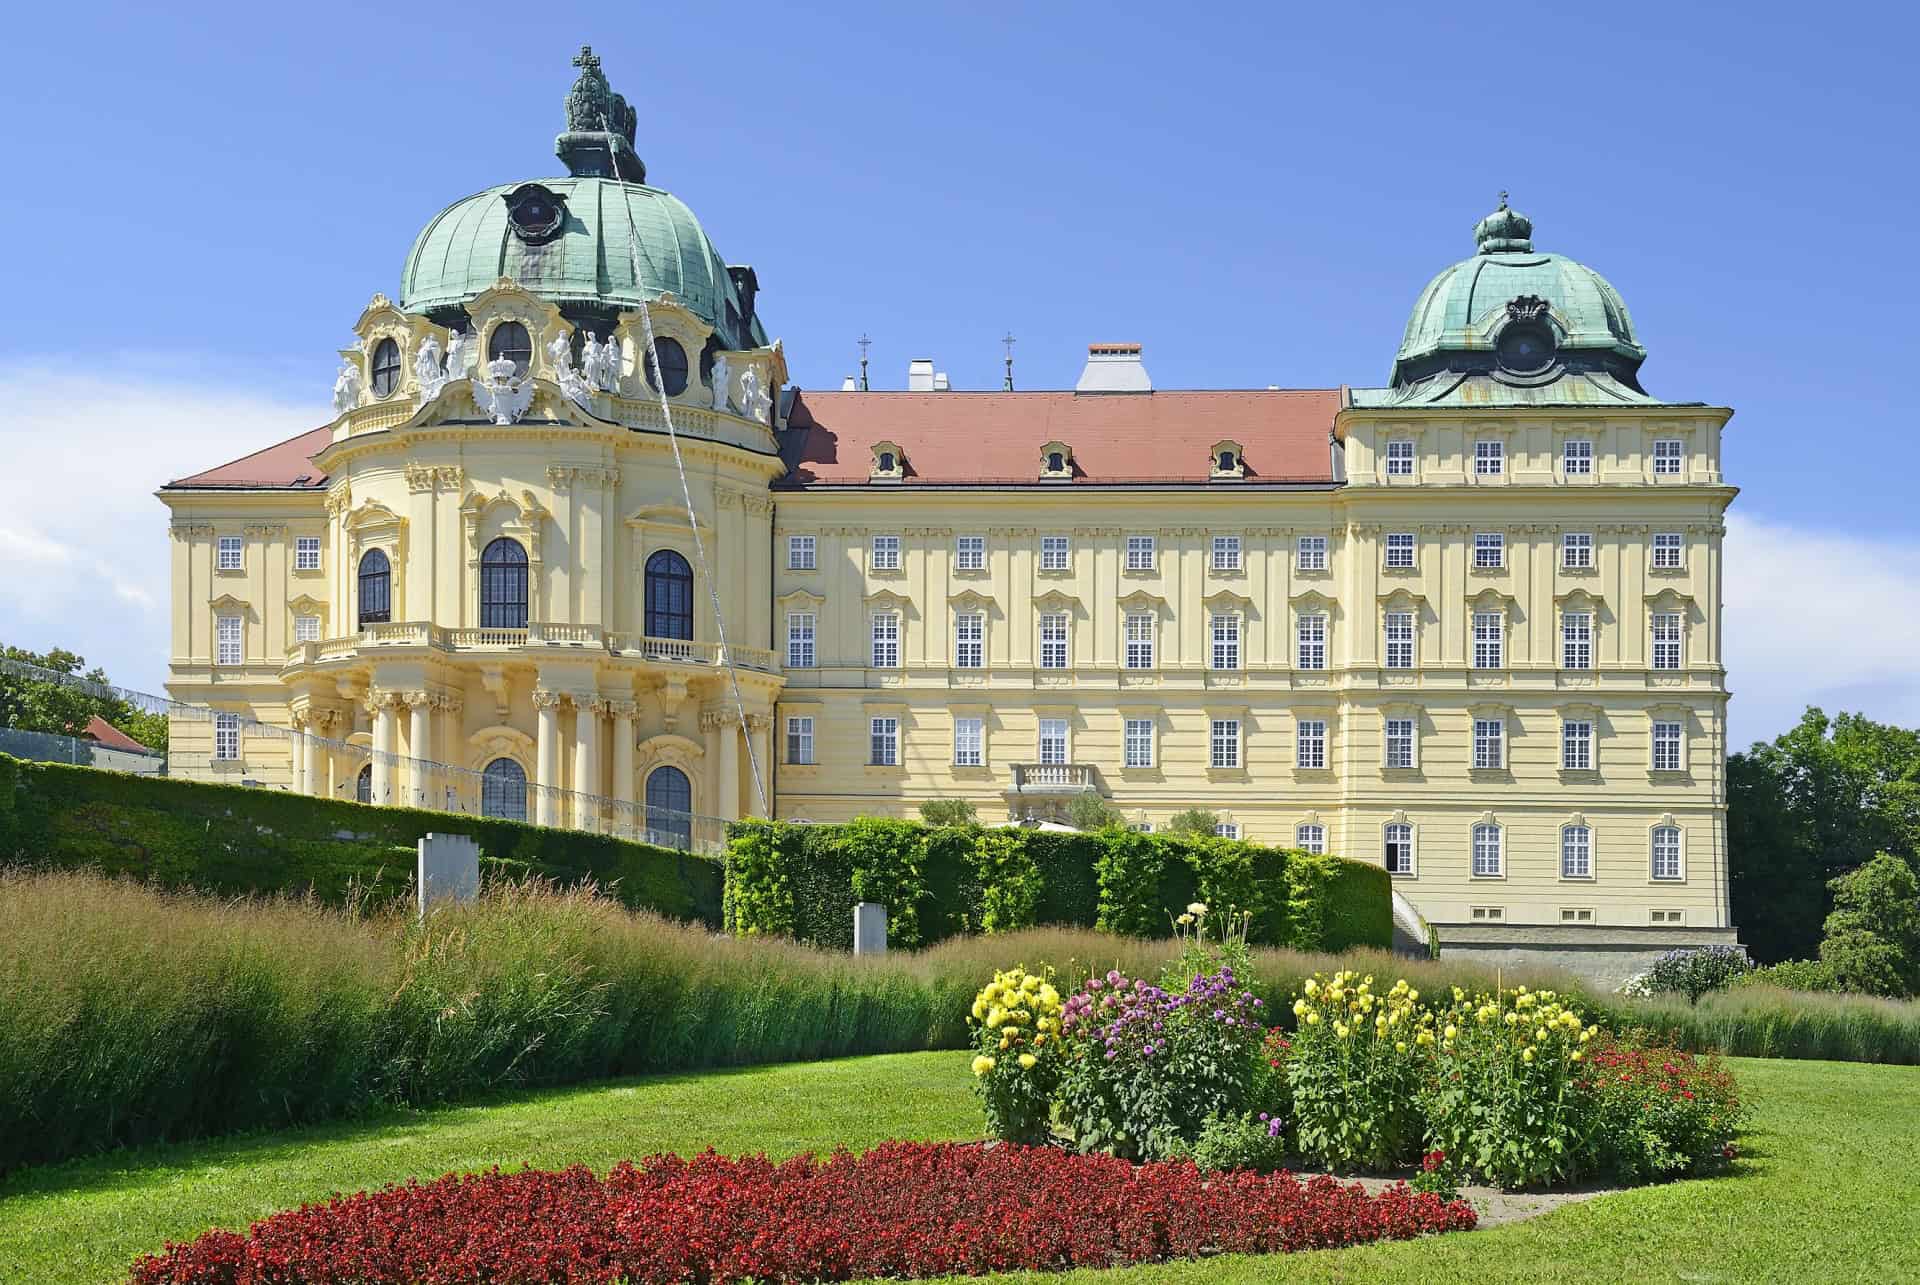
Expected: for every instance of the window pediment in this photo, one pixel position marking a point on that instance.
(373, 516)
(227, 604)
(1580, 599)
(1227, 599)
(888, 600)
(1491, 599)
(1140, 600)
(664, 517)
(973, 600)
(306, 605)
(1670, 599)
(800, 600)
(1403, 599)
(1057, 600)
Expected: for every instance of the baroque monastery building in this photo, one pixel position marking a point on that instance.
(1466, 624)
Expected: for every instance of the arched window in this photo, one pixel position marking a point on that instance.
(509, 339)
(363, 784)
(503, 585)
(669, 596)
(886, 461)
(503, 790)
(1226, 461)
(1056, 462)
(673, 366)
(669, 808)
(386, 367)
(376, 588)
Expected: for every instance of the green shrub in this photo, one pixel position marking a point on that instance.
(1091, 812)
(1692, 971)
(1354, 1071)
(884, 858)
(1872, 940)
(1127, 873)
(1235, 1142)
(1791, 975)
(1018, 1056)
(1010, 881)
(1194, 823)
(948, 812)
(1656, 1112)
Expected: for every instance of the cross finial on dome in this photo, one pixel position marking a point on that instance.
(600, 126)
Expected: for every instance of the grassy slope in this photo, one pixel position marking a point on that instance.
(1826, 1192)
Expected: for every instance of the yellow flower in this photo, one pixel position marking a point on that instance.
(1586, 1035)
(1399, 1046)
(1184, 920)
(1030, 983)
(1340, 1029)
(1038, 1040)
(1540, 1034)
(979, 1010)
(997, 1018)
(1006, 1041)
(982, 1064)
(1027, 1060)
(1526, 1055)
(1458, 994)
(1049, 996)
(1413, 995)
(1311, 987)
(1452, 1030)
(1196, 908)
(1574, 1056)
(1313, 1019)
(1423, 1038)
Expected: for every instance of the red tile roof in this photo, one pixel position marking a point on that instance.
(284, 464)
(99, 729)
(957, 438)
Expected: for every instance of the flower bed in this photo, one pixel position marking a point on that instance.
(900, 1210)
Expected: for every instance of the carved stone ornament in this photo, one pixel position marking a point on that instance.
(560, 365)
(721, 375)
(1528, 307)
(426, 370)
(755, 403)
(501, 397)
(600, 363)
(462, 348)
(346, 389)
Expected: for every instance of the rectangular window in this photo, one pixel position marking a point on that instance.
(1399, 640)
(1486, 859)
(1666, 640)
(228, 557)
(1139, 640)
(1399, 743)
(1226, 553)
(1399, 848)
(969, 742)
(1313, 641)
(1053, 742)
(1666, 853)
(886, 640)
(970, 553)
(306, 553)
(969, 640)
(1226, 641)
(1311, 751)
(1489, 457)
(1399, 459)
(227, 649)
(1576, 852)
(886, 553)
(800, 633)
(1139, 553)
(1669, 916)
(226, 736)
(1489, 639)
(1310, 553)
(1576, 640)
(1667, 454)
(1577, 458)
(800, 553)
(306, 629)
(1224, 743)
(1576, 745)
(1139, 743)
(1400, 549)
(1226, 829)
(1310, 837)
(1053, 640)
(1666, 550)
(1489, 737)
(1576, 914)
(1666, 747)
(1576, 551)
(800, 739)
(883, 735)
(1053, 553)
(1489, 551)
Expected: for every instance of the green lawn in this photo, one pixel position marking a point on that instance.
(1827, 1190)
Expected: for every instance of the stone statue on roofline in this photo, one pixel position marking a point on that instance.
(500, 396)
(460, 353)
(426, 369)
(346, 389)
(721, 374)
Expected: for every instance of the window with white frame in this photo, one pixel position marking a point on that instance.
(1313, 640)
(1576, 550)
(1226, 640)
(1486, 851)
(1666, 747)
(1139, 640)
(1226, 829)
(1399, 628)
(883, 741)
(306, 553)
(800, 635)
(1576, 745)
(886, 640)
(1666, 853)
(969, 640)
(1576, 640)
(306, 629)
(970, 553)
(1310, 836)
(800, 739)
(226, 736)
(1053, 553)
(1666, 640)
(969, 742)
(1398, 848)
(1224, 743)
(1053, 742)
(886, 553)
(1667, 454)
(1053, 640)
(1576, 457)
(1489, 639)
(1489, 457)
(1400, 459)
(1138, 743)
(1667, 550)
(1400, 550)
(1310, 752)
(1226, 553)
(800, 553)
(228, 555)
(1140, 553)
(227, 640)
(1489, 551)
(1489, 742)
(1310, 553)
(1399, 735)
(1576, 852)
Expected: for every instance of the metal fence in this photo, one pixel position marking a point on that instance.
(47, 747)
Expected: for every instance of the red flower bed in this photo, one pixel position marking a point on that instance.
(903, 1209)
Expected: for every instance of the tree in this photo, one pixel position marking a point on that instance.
(1194, 822)
(948, 812)
(1091, 812)
(63, 709)
(1873, 935)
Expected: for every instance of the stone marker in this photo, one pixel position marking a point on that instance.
(869, 928)
(449, 867)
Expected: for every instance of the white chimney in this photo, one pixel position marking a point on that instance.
(940, 384)
(1113, 368)
(849, 386)
(920, 375)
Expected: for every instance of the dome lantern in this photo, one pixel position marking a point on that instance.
(600, 127)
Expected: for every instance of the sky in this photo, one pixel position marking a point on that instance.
(207, 196)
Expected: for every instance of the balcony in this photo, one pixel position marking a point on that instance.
(538, 635)
(1053, 780)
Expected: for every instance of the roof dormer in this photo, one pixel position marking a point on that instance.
(1226, 462)
(889, 463)
(1056, 462)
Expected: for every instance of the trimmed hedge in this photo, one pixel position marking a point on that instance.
(801, 880)
(232, 840)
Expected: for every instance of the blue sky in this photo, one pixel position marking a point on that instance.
(206, 198)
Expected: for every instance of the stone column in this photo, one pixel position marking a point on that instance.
(386, 730)
(315, 773)
(759, 727)
(297, 751)
(623, 712)
(586, 761)
(726, 744)
(546, 771)
(420, 747)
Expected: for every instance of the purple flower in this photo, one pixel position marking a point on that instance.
(1147, 1051)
